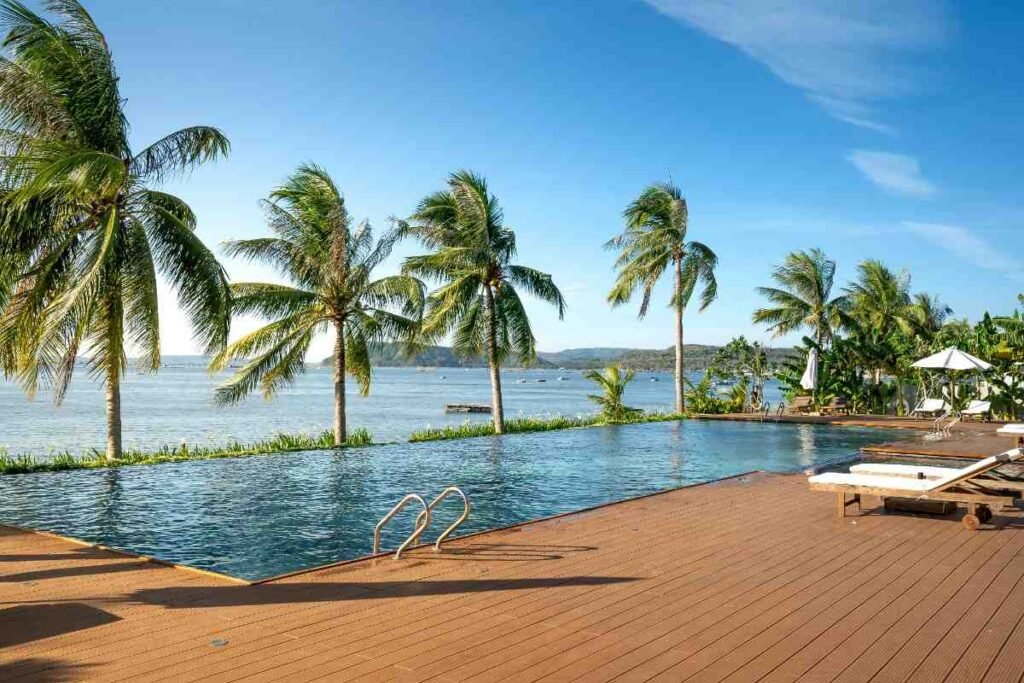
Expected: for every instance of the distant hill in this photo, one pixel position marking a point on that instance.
(431, 357)
(697, 356)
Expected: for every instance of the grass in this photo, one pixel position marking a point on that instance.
(281, 443)
(519, 425)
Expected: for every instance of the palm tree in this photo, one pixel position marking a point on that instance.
(478, 303)
(331, 269)
(803, 298)
(612, 381)
(928, 314)
(880, 298)
(84, 231)
(653, 241)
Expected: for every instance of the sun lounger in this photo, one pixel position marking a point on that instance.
(973, 486)
(994, 479)
(930, 407)
(836, 406)
(801, 404)
(979, 409)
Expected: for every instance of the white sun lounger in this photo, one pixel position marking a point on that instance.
(971, 486)
(930, 407)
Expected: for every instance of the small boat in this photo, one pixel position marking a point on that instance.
(467, 408)
(655, 379)
(540, 380)
(562, 379)
(442, 377)
(520, 381)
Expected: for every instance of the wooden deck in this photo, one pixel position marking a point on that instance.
(750, 579)
(967, 439)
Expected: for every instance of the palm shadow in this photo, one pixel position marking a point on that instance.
(25, 623)
(77, 570)
(174, 597)
(42, 670)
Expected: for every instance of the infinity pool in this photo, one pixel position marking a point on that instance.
(262, 516)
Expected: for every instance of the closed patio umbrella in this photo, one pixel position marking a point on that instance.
(809, 381)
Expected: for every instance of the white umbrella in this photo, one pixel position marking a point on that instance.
(953, 359)
(810, 379)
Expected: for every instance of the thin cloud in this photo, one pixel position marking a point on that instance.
(845, 56)
(895, 173)
(968, 246)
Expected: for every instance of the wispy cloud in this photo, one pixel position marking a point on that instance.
(968, 246)
(895, 173)
(845, 56)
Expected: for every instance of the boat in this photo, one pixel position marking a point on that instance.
(562, 379)
(540, 380)
(467, 408)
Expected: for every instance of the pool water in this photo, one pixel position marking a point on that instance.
(262, 516)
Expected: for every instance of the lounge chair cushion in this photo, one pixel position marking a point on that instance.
(875, 481)
(891, 469)
(1012, 429)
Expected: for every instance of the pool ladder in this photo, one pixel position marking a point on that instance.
(422, 519)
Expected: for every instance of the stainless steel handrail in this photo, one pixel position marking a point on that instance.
(423, 516)
(765, 408)
(466, 508)
(779, 411)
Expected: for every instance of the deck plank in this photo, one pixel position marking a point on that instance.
(750, 579)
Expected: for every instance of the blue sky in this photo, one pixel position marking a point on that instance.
(887, 129)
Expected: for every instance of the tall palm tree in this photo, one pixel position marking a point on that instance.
(928, 314)
(654, 241)
(802, 299)
(880, 298)
(331, 270)
(84, 231)
(477, 303)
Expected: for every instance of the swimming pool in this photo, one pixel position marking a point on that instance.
(262, 516)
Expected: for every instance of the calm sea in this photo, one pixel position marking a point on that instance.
(175, 405)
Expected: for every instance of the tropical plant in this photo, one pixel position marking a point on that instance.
(654, 240)
(478, 302)
(84, 231)
(880, 299)
(802, 299)
(744, 361)
(330, 267)
(700, 396)
(612, 382)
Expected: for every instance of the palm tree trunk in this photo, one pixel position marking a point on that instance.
(340, 428)
(680, 363)
(113, 414)
(497, 409)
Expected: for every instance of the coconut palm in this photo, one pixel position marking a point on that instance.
(332, 289)
(612, 381)
(928, 314)
(802, 299)
(84, 230)
(880, 299)
(655, 240)
(478, 302)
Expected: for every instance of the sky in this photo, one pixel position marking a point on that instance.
(884, 129)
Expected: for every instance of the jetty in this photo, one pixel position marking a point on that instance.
(467, 408)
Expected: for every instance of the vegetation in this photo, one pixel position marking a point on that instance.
(478, 303)
(84, 230)
(655, 239)
(331, 270)
(281, 443)
(533, 424)
(613, 382)
(868, 338)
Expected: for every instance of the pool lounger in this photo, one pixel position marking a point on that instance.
(972, 486)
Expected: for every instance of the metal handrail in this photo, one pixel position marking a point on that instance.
(466, 508)
(780, 411)
(424, 516)
(767, 406)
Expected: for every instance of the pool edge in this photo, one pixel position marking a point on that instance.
(128, 554)
(378, 556)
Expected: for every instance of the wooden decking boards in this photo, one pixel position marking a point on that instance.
(743, 580)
